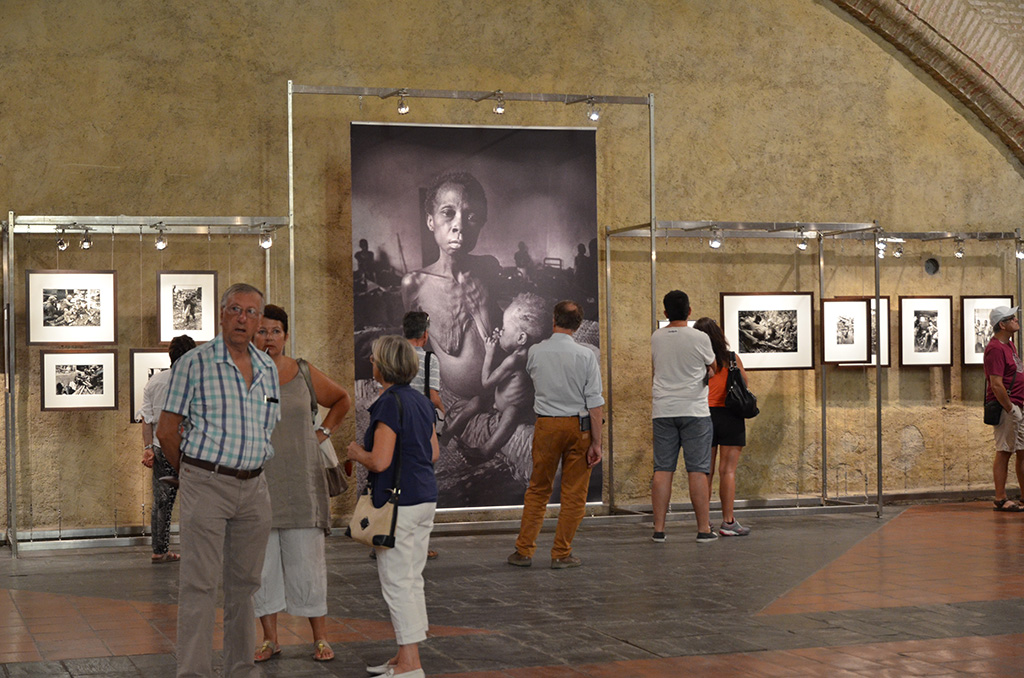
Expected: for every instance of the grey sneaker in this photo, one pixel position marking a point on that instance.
(658, 537)
(519, 560)
(563, 563)
(733, 529)
(705, 537)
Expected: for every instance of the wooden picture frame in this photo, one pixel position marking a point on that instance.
(71, 307)
(78, 380)
(770, 331)
(188, 304)
(926, 331)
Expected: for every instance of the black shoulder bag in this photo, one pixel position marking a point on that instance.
(993, 408)
(376, 526)
(738, 397)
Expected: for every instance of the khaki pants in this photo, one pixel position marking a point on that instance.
(556, 439)
(224, 525)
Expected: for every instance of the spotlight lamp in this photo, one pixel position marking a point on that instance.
(959, 251)
(266, 240)
(593, 112)
(802, 245)
(86, 241)
(403, 107)
(898, 252)
(715, 241)
(499, 104)
(62, 243)
(161, 241)
(881, 245)
(1020, 249)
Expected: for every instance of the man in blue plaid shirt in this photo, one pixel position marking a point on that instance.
(227, 396)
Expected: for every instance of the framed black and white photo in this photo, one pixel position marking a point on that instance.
(79, 380)
(145, 362)
(845, 331)
(71, 307)
(876, 327)
(770, 331)
(188, 304)
(977, 327)
(926, 333)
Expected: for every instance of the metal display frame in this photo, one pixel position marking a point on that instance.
(476, 97)
(797, 230)
(92, 225)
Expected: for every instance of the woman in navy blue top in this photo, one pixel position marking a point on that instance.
(401, 568)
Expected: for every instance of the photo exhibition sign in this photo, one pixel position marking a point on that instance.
(484, 229)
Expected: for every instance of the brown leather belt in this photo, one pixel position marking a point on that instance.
(223, 470)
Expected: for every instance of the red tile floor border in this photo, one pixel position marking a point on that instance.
(947, 553)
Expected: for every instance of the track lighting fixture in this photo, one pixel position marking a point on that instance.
(1020, 250)
(499, 104)
(593, 112)
(802, 245)
(86, 241)
(715, 241)
(881, 245)
(161, 241)
(266, 240)
(403, 107)
(959, 251)
(898, 252)
(62, 243)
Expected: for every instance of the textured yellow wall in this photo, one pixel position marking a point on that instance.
(784, 111)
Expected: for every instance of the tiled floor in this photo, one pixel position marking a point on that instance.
(930, 590)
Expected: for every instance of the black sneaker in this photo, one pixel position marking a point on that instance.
(658, 537)
(705, 537)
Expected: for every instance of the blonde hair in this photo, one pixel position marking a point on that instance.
(395, 359)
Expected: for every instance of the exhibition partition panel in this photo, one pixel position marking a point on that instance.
(77, 309)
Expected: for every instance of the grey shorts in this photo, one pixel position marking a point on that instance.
(693, 434)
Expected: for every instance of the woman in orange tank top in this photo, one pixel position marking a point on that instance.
(730, 429)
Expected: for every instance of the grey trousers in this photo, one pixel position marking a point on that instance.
(224, 526)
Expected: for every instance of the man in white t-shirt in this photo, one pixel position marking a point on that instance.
(683, 361)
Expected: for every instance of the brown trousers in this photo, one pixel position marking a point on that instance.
(555, 439)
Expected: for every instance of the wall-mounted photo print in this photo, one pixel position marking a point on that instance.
(977, 328)
(845, 330)
(77, 380)
(926, 331)
(771, 331)
(145, 362)
(188, 304)
(71, 307)
(876, 327)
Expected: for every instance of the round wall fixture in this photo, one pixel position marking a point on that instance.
(931, 266)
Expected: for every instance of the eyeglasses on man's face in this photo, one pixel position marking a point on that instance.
(250, 312)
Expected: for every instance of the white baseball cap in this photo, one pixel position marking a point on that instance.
(1001, 313)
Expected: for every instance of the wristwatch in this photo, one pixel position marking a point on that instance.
(326, 431)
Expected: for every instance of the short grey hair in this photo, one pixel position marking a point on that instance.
(395, 359)
(240, 288)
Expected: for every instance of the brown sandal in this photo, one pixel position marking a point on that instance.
(1008, 505)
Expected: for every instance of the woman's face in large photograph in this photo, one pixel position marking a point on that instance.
(456, 219)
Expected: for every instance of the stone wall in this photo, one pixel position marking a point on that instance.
(789, 110)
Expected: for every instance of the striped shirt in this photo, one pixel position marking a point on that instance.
(227, 424)
(435, 372)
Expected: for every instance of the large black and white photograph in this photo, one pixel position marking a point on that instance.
(845, 333)
(770, 331)
(188, 304)
(977, 327)
(876, 327)
(71, 307)
(73, 380)
(484, 229)
(926, 331)
(145, 362)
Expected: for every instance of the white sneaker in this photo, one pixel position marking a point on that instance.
(379, 669)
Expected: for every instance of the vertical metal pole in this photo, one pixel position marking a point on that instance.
(878, 375)
(607, 348)
(291, 221)
(654, 221)
(10, 412)
(824, 378)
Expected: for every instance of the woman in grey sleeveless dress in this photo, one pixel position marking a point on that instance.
(294, 568)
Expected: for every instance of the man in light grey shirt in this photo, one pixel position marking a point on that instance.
(682, 360)
(567, 383)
